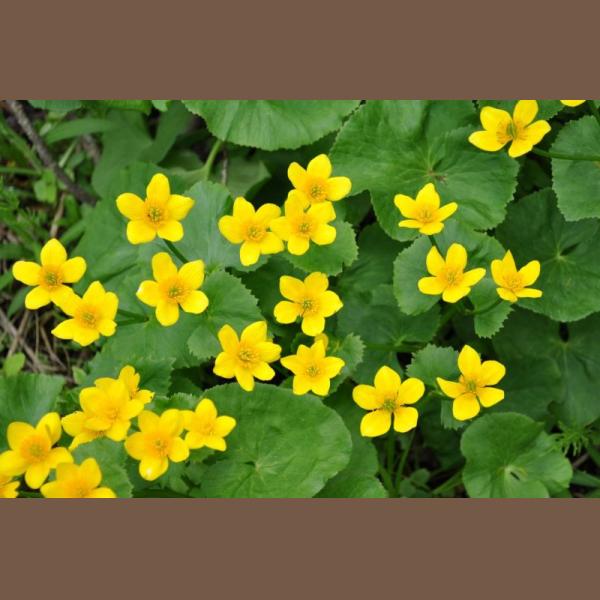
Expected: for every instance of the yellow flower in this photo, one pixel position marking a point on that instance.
(313, 371)
(173, 288)
(299, 227)
(388, 396)
(157, 442)
(247, 357)
(449, 276)
(31, 450)
(50, 277)
(159, 214)
(512, 283)
(250, 228)
(131, 379)
(205, 428)
(8, 488)
(572, 102)
(473, 384)
(77, 481)
(424, 213)
(92, 315)
(500, 128)
(75, 425)
(315, 184)
(309, 299)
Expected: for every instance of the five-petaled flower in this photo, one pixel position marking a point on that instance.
(500, 128)
(8, 487)
(309, 299)
(159, 214)
(386, 398)
(424, 213)
(50, 277)
(157, 442)
(572, 103)
(205, 427)
(131, 379)
(312, 369)
(512, 282)
(77, 481)
(92, 315)
(31, 450)
(250, 228)
(173, 288)
(248, 356)
(315, 184)
(473, 385)
(449, 276)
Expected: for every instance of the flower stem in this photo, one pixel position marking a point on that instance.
(594, 110)
(176, 252)
(448, 314)
(404, 457)
(486, 308)
(387, 481)
(562, 156)
(207, 167)
(455, 480)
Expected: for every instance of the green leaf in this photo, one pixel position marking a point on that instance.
(271, 124)
(432, 362)
(245, 176)
(350, 350)
(56, 105)
(78, 127)
(13, 364)
(490, 310)
(283, 446)
(510, 456)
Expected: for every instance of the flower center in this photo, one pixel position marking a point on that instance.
(316, 191)
(174, 292)
(247, 356)
(313, 371)
(513, 282)
(155, 214)
(35, 449)
(304, 227)
(160, 445)
(452, 276)
(51, 278)
(111, 413)
(88, 317)
(389, 404)
(514, 131)
(78, 489)
(471, 386)
(309, 306)
(255, 233)
(426, 215)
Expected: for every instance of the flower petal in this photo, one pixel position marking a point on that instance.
(195, 302)
(255, 333)
(456, 257)
(53, 253)
(171, 231)
(230, 229)
(298, 245)
(163, 267)
(26, 272)
(324, 235)
(249, 253)
(149, 293)
(193, 274)
(488, 396)
(338, 188)
(167, 313)
(228, 339)
(131, 206)
(297, 175)
(139, 232)
(36, 298)
(179, 206)
(271, 244)
(525, 111)
(387, 380)
(411, 390)
(405, 418)
(313, 325)
(470, 278)
(375, 423)
(465, 407)
(486, 140)
(73, 269)
(469, 362)
(493, 118)
(320, 167)
(366, 397)
(455, 293)
(406, 205)
(431, 286)
(434, 262)
(158, 189)
(286, 312)
(530, 272)
(490, 373)
(452, 389)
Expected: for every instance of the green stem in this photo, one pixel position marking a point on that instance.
(563, 156)
(455, 480)
(17, 171)
(486, 308)
(404, 457)
(176, 252)
(387, 481)
(390, 451)
(594, 110)
(593, 452)
(207, 167)
(448, 314)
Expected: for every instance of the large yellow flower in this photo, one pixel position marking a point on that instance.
(315, 184)
(473, 384)
(299, 227)
(92, 315)
(572, 103)
(131, 379)
(157, 442)
(159, 214)
(424, 213)
(449, 276)
(313, 371)
(77, 481)
(50, 277)
(248, 356)
(500, 128)
(206, 428)
(8, 487)
(512, 283)
(386, 398)
(31, 450)
(309, 299)
(173, 288)
(250, 228)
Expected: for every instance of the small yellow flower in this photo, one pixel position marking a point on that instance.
(93, 315)
(250, 228)
(131, 379)
(173, 288)
(309, 299)
(75, 425)
(31, 450)
(77, 481)
(247, 357)
(157, 442)
(572, 103)
(206, 428)
(386, 398)
(159, 214)
(313, 371)
(424, 213)
(473, 384)
(512, 283)
(449, 276)
(50, 277)
(299, 227)
(315, 184)
(8, 488)
(500, 128)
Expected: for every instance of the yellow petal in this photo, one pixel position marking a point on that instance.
(428, 196)
(179, 206)
(263, 372)
(249, 253)
(26, 272)
(286, 312)
(73, 269)
(171, 231)
(330, 303)
(12, 463)
(489, 396)
(139, 232)
(193, 274)
(53, 253)
(255, 333)
(271, 244)
(131, 206)
(530, 272)
(452, 389)
(498, 271)
(102, 492)
(431, 228)
(406, 205)
(225, 365)
(333, 366)
(158, 189)
(445, 211)
(486, 140)
(91, 471)
(456, 257)
(281, 227)
(529, 293)
(324, 235)
(228, 339)
(519, 147)
(267, 212)
(410, 224)
(149, 293)
(572, 102)
(37, 298)
(320, 386)
(431, 286)
(298, 245)
(320, 167)
(66, 330)
(323, 212)
(411, 390)
(301, 384)
(49, 425)
(507, 295)
(469, 362)
(434, 261)
(224, 425)
(152, 468)
(230, 229)
(17, 432)
(167, 313)
(525, 111)
(242, 209)
(366, 397)
(405, 418)
(465, 407)
(312, 325)
(297, 175)
(135, 445)
(387, 380)
(455, 293)
(195, 302)
(163, 267)
(269, 351)
(245, 379)
(375, 423)
(536, 131)
(179, 450)
(291, 288)
(470, 278)
(493, 118)
(338, 188)
(491, 372)
(36, 474)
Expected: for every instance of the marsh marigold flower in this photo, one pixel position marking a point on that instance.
(31, 450)
(49, 277)
(309, 299)
(424, 213)
(157, 442)
(572, 103)
(173, 289)
(205, 427)
(512, 283)
(449, 276)
(92, 315)
(312, 369)
(248, 356)
(250, 228)
(159, 214)
(388, 398)
(77, 481)
(131, 379)
(473, 385)
(500, 128)
(315, 183)
(8, 487)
